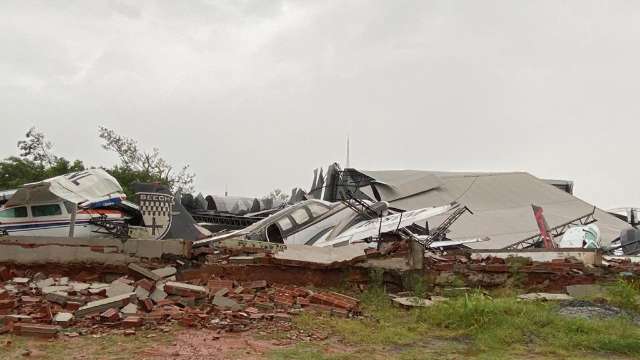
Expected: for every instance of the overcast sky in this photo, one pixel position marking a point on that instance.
(255, 94)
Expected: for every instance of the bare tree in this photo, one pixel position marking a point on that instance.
(36, 148)
(149, 163)
(277, 194)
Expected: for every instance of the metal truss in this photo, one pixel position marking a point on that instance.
(440, 233)
(536, 240)
(233, 222)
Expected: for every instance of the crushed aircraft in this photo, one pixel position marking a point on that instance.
(84, 201)
(91, 203)
(325, 224)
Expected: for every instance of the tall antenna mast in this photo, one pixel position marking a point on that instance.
(348, 165)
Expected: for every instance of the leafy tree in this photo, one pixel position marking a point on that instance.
(15, 171)
(36, 148)
(36, 162)
(142, 165)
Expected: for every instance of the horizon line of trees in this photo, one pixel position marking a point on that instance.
(36, 161)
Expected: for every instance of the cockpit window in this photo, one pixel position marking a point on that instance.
(16, 212)
(317, 209)
(300, 216)
(46, 210)
(285, 224)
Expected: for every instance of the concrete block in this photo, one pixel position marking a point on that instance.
(63, 318)
(78, 286)
(142, 271)
(118, 288)
(45, 283)
(99, 306)
(34, 250)
(55, 289)
(183, 289)
(225, 303)
(142, 293)
(165, 272)
(412, 302)
(545, 297)
(130, 309)
(158, 295)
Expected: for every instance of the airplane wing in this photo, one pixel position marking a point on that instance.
(445, 243)
(373, 227)
(87, 188)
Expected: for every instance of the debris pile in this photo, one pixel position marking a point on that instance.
(45, 305)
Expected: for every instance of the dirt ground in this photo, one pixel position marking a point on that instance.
(196, 344)
(190, 344)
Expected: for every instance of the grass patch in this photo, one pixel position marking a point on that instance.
(625, 294)
(310, 352)
(498, 327)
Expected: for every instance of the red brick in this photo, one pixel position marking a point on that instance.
(284, 300)
(7, 304)
(73, 305)
(328, 309)
(5, 274)
(443, 267)
(216, 285)
(251, 310)
(147, 304)
(346, 298)
(132, 321)
(37, 329)
(29, 299)
(331, 299)
(111, 315)
(303, 301)
(258, 284)
(165, 302)
(490, 267)
(145, 284)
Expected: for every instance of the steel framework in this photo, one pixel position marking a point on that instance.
(535, 240)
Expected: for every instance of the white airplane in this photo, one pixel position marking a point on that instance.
(45, 208)
(323, 224)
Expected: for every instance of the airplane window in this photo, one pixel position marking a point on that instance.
(46, 210)
(285, 224)
(300, 216)
(16, 212)
(317, 209)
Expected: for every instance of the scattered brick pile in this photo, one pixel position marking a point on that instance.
(548, 276)
(37, 304)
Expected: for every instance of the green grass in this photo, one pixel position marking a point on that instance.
(479, 326)
(309, 352)
(625, 294)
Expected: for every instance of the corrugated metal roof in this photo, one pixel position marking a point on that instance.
(501, 203)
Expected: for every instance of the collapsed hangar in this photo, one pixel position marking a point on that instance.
(500, 202)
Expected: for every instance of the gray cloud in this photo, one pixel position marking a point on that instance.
(254, 94)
